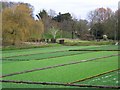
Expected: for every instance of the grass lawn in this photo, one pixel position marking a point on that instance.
(109, 79)
(69, 73)
(51, 56)
(10, 53)
(10, 67)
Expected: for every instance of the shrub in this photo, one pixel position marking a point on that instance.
(87, 43)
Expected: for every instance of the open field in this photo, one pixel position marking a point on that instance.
(60, 65)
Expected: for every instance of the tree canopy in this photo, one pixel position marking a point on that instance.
(19, 25)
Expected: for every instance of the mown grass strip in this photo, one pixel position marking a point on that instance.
(59, 84)
(32, 64)
(60, 65)
(41, 50)
(101, 48)
(40, 53)
(93, 76)
(110, 79)
(94, 50)
(35, 54)
(47, 55)
(69, 73)
(50, 49)
(44, 56)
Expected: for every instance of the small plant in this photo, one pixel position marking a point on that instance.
(105, 37)
(53, 31)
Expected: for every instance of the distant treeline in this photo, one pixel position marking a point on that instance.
(19, 25)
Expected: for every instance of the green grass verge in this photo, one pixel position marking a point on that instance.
(56, 54)
(26, 65)
(43, 56)
(53, 49)
(13, 85)
(110, 79)
(69, 73)
(41, 50)
(7, 48)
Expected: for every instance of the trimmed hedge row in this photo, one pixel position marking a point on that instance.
(87, 43)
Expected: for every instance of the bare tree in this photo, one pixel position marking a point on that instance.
(53, 31)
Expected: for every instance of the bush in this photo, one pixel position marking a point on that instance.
(86, 43)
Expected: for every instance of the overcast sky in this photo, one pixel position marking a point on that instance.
(78, 8)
